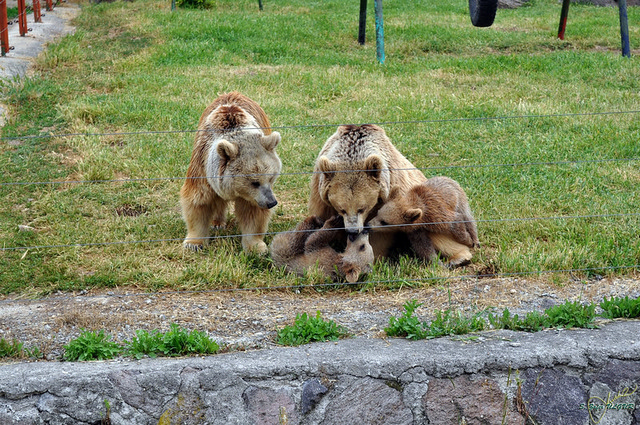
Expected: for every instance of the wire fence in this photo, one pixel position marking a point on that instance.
(299, 173)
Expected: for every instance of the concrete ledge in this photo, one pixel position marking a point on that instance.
(550, 377)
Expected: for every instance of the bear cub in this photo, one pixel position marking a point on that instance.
(233, 160)
(308, 247)
(436, 217)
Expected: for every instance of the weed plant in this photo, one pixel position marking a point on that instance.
(532, 322)
(446, 322)
(626, 307)
(91, 345)
(11, 349)
(407, 325)
(308, 329)
(571, 314)
(120, 99)
(176, 342)
(145, 343)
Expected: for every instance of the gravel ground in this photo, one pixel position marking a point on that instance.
(243, 320)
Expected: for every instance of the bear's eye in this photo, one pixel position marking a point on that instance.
(343, 212)
(255, 184)
(361, 211)
(361, 247)
(384, 223)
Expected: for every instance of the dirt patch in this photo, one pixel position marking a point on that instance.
(243, 320)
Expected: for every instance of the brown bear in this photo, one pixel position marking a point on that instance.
(436, 217)
(308, 248)
(356, 169)
(233, 159)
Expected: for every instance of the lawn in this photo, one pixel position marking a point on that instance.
(543, 135)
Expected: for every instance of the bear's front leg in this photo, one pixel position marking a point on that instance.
(253, 222)
(199, 208)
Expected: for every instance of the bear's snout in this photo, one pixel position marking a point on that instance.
(272, 204)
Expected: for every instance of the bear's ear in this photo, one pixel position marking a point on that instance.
(412, 215)
(326, 167)
(373, 166)
(227, 150)
(394, 193)
(271, 141)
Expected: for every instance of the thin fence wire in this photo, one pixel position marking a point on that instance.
(399, 226)
(408, 281)
(301, 173)
(317, 286)
(288, 127)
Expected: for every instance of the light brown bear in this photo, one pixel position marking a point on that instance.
(308, 248)
(436, 217)
(233, 159)
(356, 169)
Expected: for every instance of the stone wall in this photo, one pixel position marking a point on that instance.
(503, 377)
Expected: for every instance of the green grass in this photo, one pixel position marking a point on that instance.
(137, 67)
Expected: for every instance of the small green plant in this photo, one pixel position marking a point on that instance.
(532, 322)
(179, 341)
(10, 349)
(145, 343)
(308, 329)
(626, 307)
(407, 325)
(91, 346)
(446, 322)
(107, 417)
(571, 315)
(449, 322)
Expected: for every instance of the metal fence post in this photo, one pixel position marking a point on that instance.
(563, 18)
(22, 17)
(37, 15)
(362, 27)
(379, 31)
(624, 28)
(4, 29)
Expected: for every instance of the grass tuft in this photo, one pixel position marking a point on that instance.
(308, 329)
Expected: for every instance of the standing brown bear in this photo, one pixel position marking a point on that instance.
(354, 174)
(233, 159)
(435, 215)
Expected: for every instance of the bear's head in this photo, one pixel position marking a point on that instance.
(397, 214)
(250, 167)
(358, 256)
(353, 192)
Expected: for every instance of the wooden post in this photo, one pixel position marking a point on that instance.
(362, 27)
(49, 5)
(22, 17)
(4, 28)
(37, 15)
(563, 18)
(379, 31)
(624, 28)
